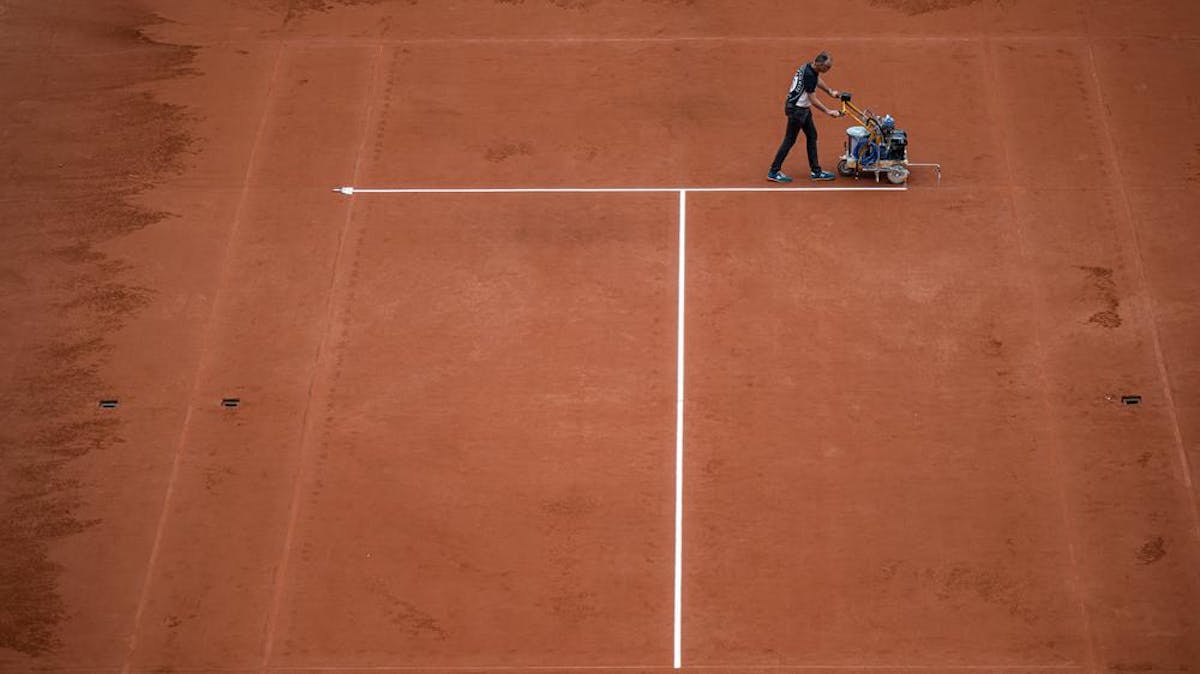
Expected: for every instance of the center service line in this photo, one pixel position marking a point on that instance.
(679, 434)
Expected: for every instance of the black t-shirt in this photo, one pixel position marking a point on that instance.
(804, 82)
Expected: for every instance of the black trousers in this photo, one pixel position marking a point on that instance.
(798, 119)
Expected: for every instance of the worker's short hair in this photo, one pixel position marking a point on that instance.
(823, 57)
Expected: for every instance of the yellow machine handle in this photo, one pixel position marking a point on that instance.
(863, 117)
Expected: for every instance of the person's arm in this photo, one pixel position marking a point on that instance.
(811, 87)
(817, 102)
(833, 92)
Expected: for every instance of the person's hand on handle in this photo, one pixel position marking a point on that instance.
(834, 113)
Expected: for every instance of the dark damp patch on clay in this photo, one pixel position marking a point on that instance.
(88, 132)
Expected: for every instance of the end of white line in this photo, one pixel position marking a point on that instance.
(344, 190)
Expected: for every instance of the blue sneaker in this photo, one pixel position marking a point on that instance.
(821, 175)
(778, 177)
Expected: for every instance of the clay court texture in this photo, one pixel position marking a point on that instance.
(641, 409)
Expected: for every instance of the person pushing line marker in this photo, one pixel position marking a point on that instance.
(798, 108)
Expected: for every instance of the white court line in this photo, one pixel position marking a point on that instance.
(679, 436)
(893, 667)
(590, 190)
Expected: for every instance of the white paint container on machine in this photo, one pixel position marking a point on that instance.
(855, 137)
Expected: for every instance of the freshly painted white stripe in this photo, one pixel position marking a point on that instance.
(679, 432)
(1025, 668)
(589, 190)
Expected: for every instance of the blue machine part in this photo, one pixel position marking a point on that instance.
(887, 123)
(866, 154)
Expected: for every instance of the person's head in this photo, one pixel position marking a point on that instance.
(823, 62)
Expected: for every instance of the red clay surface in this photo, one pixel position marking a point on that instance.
(456, 445)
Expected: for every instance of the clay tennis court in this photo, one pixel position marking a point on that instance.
(639, 410)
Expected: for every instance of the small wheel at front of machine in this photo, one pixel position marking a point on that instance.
(897, 175)
(843, 168)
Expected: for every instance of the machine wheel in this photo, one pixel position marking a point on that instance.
(897, 175)
(843, 168)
